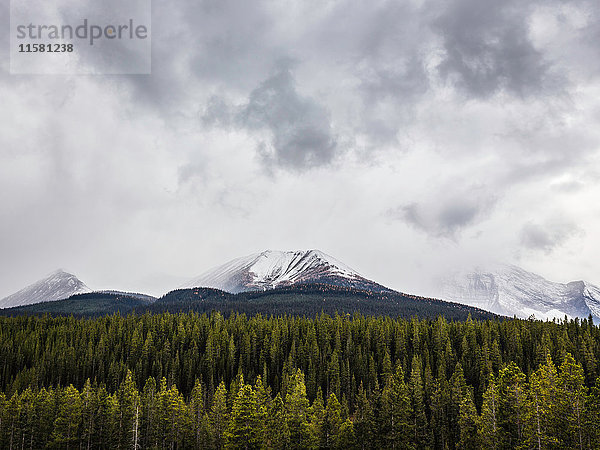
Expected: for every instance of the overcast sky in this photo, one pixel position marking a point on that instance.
(401, 137)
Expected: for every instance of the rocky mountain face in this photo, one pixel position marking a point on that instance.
(510, 290)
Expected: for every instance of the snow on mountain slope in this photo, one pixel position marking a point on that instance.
(56, 286)
(510, 290)
(271, 269)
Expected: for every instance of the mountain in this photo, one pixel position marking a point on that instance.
(510, 290)
(56, 286)
(274, 269)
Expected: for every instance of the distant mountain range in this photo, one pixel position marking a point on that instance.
(309, 281)
(512, 291)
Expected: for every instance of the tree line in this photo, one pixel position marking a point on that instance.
(209, 381)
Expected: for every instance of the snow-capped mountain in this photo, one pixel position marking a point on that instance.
(510, 290)
(272, 269)
(56, 286)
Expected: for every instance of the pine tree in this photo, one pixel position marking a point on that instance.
(317, 419)
(263, 401)
(593, 416)
(332, 421)
(395, 412)
(278, 432)
(468, 423)
(149, 413)
(129, 414)
(489, 429)
(364, 421)
(345, 439)
(219, 416)
(296, 406)
(458, 391)
(89, 411)
(66, 425)
(197, 419)
(422, 437)
(572, 393)
(439, 413)
(541, 411)
(242, 432)
(511, 404)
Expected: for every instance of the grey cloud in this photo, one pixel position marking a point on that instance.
(205, 45)
(217, 112)
(299, 128)
(301, 132)
(488, 48)
(383, 43)
(547, 237)
(446, 217)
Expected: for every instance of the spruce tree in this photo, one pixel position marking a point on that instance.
(512, 390)
(296, 406)
(242, 431)
(489, 428)
(422, 437)
(219, 418)
(572, 396)
(468, 423)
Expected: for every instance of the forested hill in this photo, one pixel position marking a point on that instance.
(92, 304)
(302, 299)
(198, 381)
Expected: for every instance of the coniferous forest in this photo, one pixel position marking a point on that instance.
(208, 381)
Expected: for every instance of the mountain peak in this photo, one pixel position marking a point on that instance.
(273, 268)
(57, 285)
(511, 290)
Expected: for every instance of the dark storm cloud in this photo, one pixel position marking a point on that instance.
(488, 49)
(546, 237)
(300, 127)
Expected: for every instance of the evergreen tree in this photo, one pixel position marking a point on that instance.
(395, 412)
(331, 422)
(489, 428)
(278, 432)
(468, 423)
(364, 421)
(422, 437)
(541, 410)
(317, 420)
(67, 423)
(511, 404)
(346, 440)
(219, 416)
(198, 416)
(296, 407)
(242, 431)
(572, 396)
